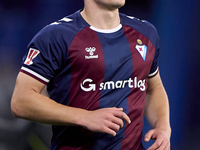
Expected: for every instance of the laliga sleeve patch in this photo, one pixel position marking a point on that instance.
(31, 55)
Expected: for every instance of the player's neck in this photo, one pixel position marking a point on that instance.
(101, 19)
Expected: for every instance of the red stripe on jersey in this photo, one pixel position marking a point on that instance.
(136, 100)
(87, 66)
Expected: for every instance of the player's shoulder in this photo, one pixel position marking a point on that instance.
(138, 24)
(70, 22)
(70, 25)
(144, 27)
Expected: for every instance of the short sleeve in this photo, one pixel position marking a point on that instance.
(44, 56)
(155, 64)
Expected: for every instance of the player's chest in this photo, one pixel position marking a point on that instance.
(110, 52)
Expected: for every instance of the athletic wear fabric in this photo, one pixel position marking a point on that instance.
(89, 68)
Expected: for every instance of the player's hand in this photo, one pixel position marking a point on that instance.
(161, 137)
(106, 120)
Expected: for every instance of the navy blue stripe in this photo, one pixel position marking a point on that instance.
(118, 67)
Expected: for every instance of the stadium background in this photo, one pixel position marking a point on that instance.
(178, 24)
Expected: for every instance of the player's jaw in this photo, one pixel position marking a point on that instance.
(110, 4)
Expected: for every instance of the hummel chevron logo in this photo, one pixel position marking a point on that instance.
(91, 51)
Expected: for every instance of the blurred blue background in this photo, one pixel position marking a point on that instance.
(178, 24)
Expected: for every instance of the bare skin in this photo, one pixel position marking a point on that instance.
(106, 14)
(157, 113)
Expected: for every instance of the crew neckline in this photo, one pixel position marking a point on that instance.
(100, 30)
(107, 30)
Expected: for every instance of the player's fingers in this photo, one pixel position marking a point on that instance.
(122, 115)
(113, 126)
(118, 121)
(168, 146)
(164, 145)
(157, 144)
(109, 131)
(148, 135)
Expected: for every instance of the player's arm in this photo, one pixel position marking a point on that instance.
(157, 113)
(28, 103)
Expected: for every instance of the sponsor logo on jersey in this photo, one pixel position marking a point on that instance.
(31, 55)
(142, 49)
(91, 51)
(88, 86)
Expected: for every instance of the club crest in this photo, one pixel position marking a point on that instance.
(142, 49)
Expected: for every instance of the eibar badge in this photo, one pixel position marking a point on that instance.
(142, 49)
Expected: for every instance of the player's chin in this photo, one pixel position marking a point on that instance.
(116, 6)
(120, 4)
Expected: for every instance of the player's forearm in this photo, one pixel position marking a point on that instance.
(36, 107)
(157, 113)
(42, 109)
(157, 107)
(28, 103)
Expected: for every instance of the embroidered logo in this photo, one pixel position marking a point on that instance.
(31, 55)
(91, 51)
(142, 49)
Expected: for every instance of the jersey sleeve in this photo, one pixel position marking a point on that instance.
(44, 56)
(155, 64)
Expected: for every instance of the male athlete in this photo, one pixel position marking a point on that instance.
(101, 72)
